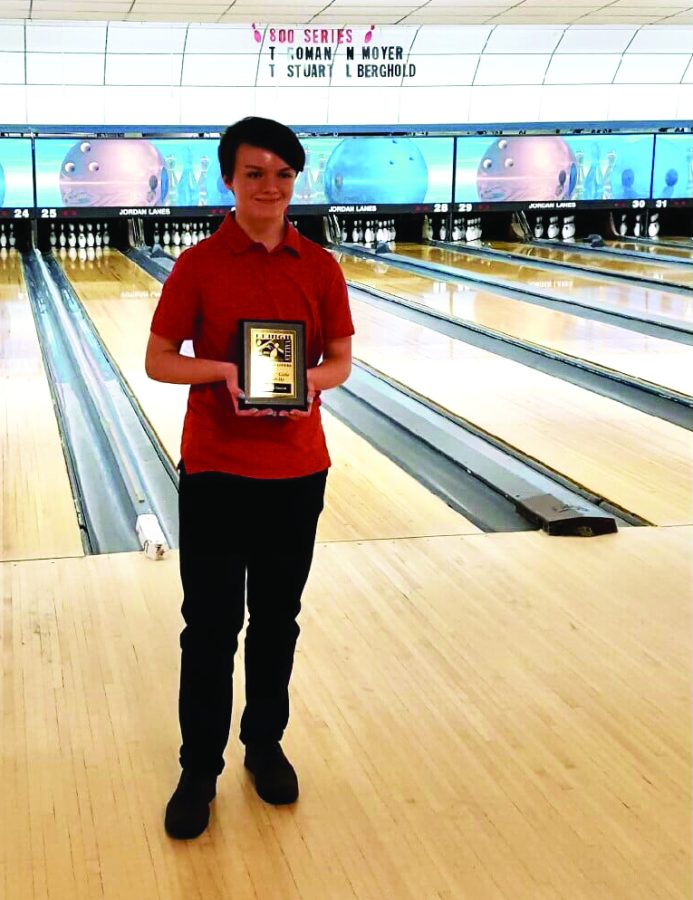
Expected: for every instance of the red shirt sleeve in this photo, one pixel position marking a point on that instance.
(335, 314)
(179, 306)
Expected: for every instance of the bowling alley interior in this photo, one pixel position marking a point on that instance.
(491, 694)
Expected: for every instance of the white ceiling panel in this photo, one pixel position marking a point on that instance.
(11, 36)
(11, 68)
(511, 39)
(129, 38)
(443, 40)
(72, 38)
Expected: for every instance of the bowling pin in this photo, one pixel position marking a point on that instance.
(98, 239)
(479, 229)
(623, 226)
(637, 227)
(176, 234)
(81, 238)
(106, 236)
(653, 226)
(394, 231)
(565, 229)
(3, 237)
(62, 240)
(155, 235)
(344, 237)
(53, 237)
(553, 229)
(71, 236)
(90, 235)
(368, 234)
(442, 231)
(456, 232)
(185, 237)
(208, 230)
(201, 232)
(12, 239)
(539, 227)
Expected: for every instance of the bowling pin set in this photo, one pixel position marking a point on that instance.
(554, 228)
(181, 234)
(638, 225)
(79, 236)
(8, 239)
(462, 231)
(369, 232)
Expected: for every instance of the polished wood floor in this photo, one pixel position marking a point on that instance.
(485, 716)
(473, 716)
(368, 496)
(37, 518)
(685, 250)
(660, 362)
(659, 270)
(587, 290)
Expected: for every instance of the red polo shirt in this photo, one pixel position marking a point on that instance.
(230, 277)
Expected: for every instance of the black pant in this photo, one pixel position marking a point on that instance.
(233, 528)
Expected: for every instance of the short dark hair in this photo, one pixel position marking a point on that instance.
(265, 133)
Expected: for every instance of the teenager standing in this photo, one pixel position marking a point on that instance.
(251, 482)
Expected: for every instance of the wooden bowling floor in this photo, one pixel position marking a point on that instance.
(684, 251)
(38, 518)
(640, 463)
(368, 496)
(473, 715)
(661, 362)
(630, 299)
(666, 272)
(479, 716)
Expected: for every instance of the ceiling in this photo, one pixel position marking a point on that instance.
(361, 12)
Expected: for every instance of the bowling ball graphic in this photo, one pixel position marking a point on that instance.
(2, 185)
(376, 170)
(527, 168)
(113, 173)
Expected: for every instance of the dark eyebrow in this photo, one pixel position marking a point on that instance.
(260, 168)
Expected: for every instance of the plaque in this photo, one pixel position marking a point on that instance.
(272, 366)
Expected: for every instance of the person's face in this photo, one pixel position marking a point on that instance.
(262, 183)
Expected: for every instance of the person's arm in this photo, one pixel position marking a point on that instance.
(164, 362)
(335, 367)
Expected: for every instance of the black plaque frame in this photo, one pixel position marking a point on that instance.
(298, 399)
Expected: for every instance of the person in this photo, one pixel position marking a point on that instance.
(252, 481)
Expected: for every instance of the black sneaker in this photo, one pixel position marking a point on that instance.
(187, 812)
(275, 778)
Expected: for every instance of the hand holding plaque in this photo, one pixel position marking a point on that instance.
(272, 367)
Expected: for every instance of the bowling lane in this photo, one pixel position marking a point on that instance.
(636, 461)
(684, 252)
(661, 362)
(587, 290)
(38, 519)
(368, 495)
(659, 271)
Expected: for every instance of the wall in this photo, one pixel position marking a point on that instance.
(136, 73)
